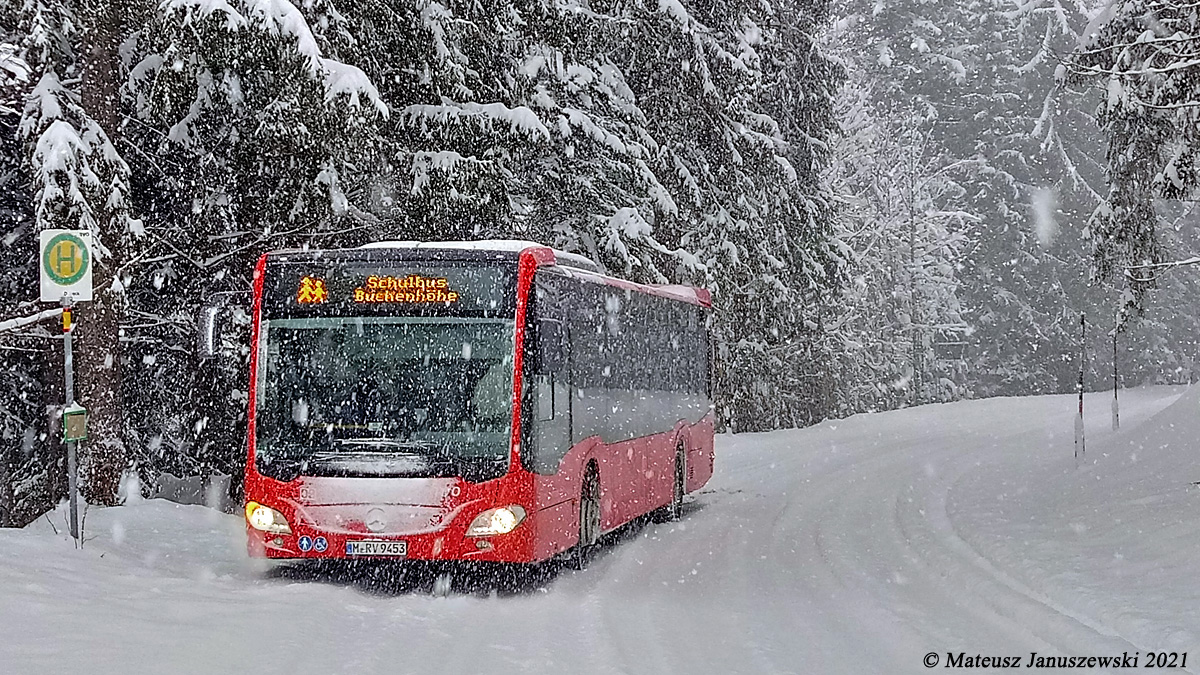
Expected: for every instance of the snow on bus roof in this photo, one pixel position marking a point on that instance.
(689, 294)
(507, 245)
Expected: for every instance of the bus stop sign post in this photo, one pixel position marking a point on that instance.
(66, 277)
(74, 418)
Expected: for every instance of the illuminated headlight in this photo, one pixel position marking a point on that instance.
(266, 519)
(496, 521)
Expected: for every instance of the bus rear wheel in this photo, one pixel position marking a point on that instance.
(589, 520)
(674, 510)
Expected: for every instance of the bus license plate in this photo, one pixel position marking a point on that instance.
(390, 548)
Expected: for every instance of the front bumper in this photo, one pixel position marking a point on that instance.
(450, 543)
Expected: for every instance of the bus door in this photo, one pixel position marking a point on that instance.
(546, 434)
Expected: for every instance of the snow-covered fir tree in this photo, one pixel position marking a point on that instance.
(898, 325)
(744, 135)
(247, 138)
(19, 363)
(93, 64)
(69, 130)
(1137, 54)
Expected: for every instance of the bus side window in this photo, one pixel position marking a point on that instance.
(551, 347)
(545, 397)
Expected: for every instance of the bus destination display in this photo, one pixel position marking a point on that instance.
(440, 289)
(413, 288)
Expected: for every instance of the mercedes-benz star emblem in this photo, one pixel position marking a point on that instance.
(375, 521)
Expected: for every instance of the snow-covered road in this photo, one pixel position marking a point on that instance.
(856, 546)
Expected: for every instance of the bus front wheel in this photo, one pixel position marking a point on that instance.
(589, 520)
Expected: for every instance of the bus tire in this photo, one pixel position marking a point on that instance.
(674, 509)
(589, 520)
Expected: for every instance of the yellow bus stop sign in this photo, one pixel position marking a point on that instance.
(66, 265)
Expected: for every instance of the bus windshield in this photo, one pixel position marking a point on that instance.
(385, 396)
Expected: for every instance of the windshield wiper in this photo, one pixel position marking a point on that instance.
(389, 444)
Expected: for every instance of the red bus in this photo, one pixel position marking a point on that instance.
(497, 402)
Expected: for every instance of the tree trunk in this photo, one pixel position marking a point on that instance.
(103, 457)
(7, 502)
(100, 61)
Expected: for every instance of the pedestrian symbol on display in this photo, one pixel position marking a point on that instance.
(305, 543)
(65, 262)
(312, 291)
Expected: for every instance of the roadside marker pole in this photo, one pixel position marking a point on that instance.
(1079, 445)
(69, 373)
(1116, 404)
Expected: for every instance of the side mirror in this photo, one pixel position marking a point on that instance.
(206, 331)
(210, 322)
(551, 352)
